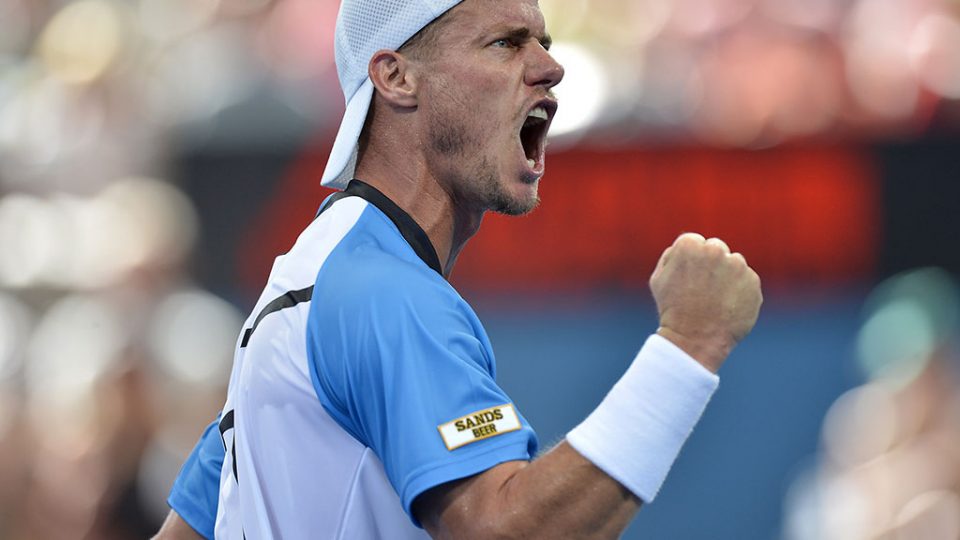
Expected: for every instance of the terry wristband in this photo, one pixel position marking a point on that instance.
(636, 432)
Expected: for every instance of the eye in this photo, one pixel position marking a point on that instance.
(504, 43)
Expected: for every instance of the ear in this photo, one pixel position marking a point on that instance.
(394, 80)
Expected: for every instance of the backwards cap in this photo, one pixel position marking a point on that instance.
(363, 28)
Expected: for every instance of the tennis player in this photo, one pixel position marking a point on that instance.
(363, 401)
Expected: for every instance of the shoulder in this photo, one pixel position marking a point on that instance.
(374, 265)
(375, 283)
(365, 271)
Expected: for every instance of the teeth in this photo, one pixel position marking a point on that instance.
(539, 112)
(531, 163)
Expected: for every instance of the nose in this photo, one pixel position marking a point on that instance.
(543, 69)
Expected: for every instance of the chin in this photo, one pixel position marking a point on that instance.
(511, 194)
(516, 209)
(517, 204)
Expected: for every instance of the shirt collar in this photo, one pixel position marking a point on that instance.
(409, 229)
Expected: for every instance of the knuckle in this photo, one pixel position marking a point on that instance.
(690, 238)
(714, 251)
(718, 243)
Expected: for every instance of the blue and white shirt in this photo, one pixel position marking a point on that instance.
(360, 380)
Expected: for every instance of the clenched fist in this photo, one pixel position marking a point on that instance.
(708, 298)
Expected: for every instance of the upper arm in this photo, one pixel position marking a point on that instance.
(196, 491)
(461, 507)
(175, 528)
(394, 359)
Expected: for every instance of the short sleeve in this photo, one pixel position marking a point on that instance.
(398, 359)
(196, 491)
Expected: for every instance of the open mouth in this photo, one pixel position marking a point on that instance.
(533, 133)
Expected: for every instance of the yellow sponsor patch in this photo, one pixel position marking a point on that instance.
(479, 425)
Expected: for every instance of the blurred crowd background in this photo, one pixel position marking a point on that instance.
(155, 155)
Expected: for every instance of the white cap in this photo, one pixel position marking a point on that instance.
(363, 28)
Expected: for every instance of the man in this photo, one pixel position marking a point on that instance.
(362, 402)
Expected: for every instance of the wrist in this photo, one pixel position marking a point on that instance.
(708, 352)
(635, 434)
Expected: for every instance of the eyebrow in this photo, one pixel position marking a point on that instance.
(524, 33)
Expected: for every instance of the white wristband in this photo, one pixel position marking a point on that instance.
(635, 434)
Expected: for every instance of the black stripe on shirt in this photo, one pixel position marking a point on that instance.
(284, 301)
(226, 424)
(409, 228)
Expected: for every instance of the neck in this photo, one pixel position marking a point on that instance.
(423, 197)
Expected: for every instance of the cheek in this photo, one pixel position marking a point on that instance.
(481, 85)
(474, 101)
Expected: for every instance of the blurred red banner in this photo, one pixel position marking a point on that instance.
(807, 214)
(800, 214)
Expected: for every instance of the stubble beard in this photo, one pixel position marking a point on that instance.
(480, 185)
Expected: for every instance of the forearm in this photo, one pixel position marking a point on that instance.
(559, 495)
(591, 485)
(569, 497)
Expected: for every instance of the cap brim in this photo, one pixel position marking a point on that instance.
(343, 158)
